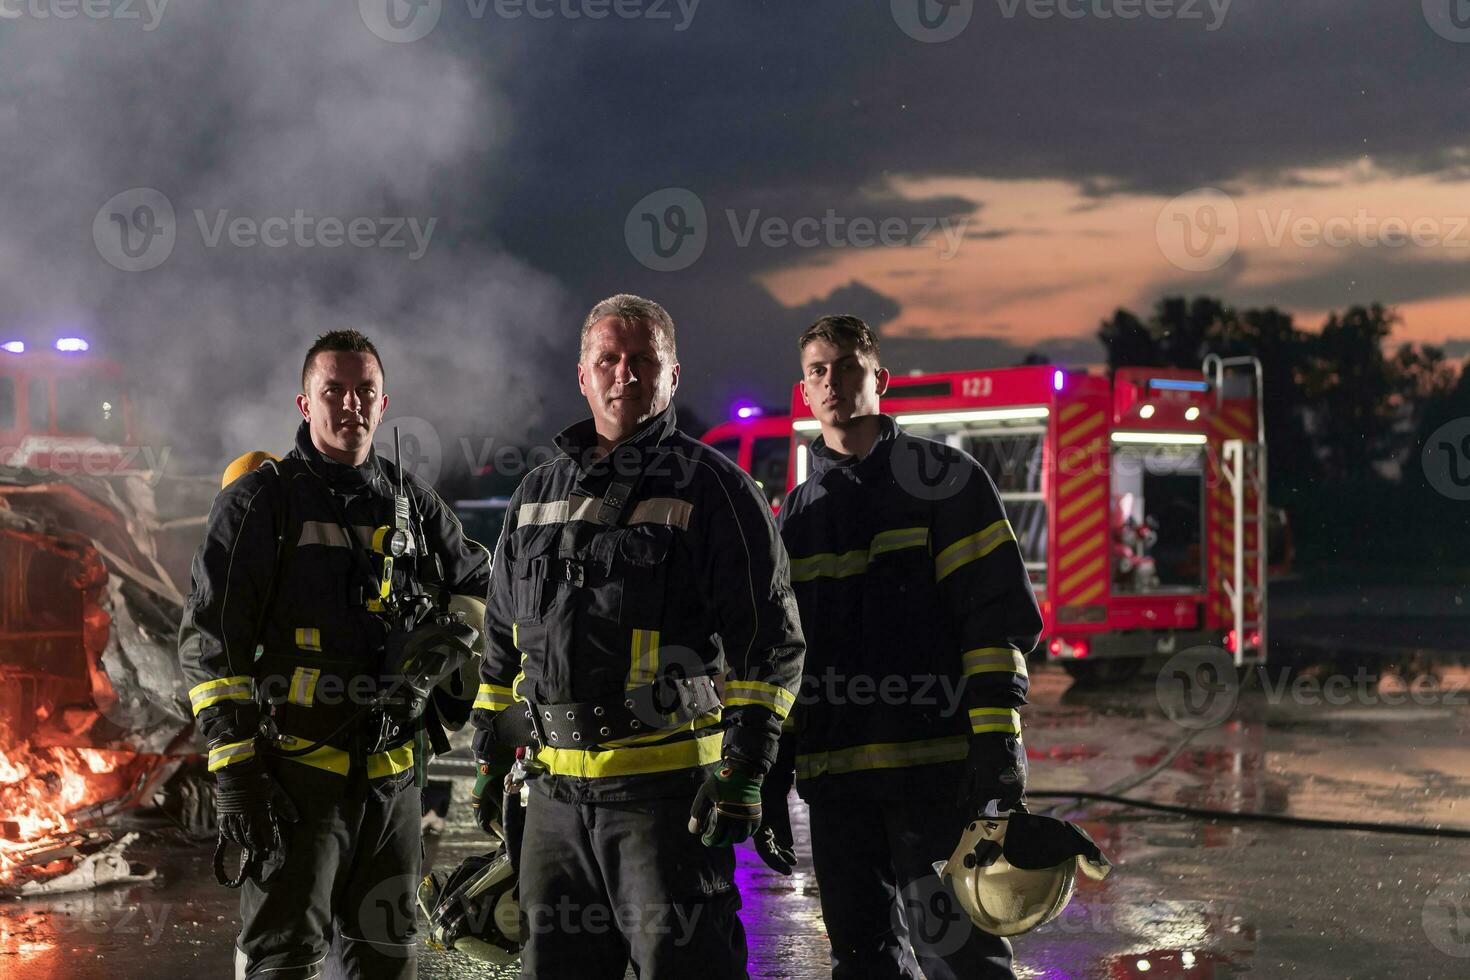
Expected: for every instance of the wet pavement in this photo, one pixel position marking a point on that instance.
(1189, 898)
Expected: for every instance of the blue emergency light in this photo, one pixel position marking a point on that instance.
(1171, 384)
(73, 345)
(14, 347)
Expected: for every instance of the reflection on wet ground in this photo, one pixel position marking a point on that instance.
(1189, 898)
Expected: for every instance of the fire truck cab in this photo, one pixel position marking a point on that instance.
(1139, 502)
(62, 409)
(760, 445)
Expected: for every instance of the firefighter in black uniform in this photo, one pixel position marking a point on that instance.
(918, 613)
(306, 651)
(643, 642)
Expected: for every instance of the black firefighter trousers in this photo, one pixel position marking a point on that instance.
(874, 865)
(339, 905)
(605, 883)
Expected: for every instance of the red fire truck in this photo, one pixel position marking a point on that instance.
(64, 409)
(1139, 503)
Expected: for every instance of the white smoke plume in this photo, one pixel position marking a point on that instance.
(266, 110)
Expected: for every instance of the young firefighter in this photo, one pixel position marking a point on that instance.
(918, 614)
(301, 679)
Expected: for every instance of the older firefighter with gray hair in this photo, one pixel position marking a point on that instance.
(644, 650)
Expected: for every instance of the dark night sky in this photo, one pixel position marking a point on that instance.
(1052, 143)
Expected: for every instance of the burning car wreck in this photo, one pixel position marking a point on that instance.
(94, 716)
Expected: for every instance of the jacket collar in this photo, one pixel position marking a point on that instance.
(825, 460)
(340, 476)
(579, 441)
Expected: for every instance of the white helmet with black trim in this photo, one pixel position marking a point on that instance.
(473, 909)
(1017, 871)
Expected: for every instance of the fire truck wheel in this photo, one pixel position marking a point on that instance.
(1105, 672)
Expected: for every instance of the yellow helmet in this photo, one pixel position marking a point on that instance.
(1017, 871)
(248, 463)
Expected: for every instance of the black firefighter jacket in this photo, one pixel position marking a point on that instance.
(693, 578)
(918, 613)
(303, 605)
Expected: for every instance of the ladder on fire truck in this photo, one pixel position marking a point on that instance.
(1244, 467)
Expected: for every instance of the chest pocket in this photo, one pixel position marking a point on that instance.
(530, 574)
(898, 587)
(641, 563)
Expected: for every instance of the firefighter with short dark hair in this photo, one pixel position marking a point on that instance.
(643, 643)
(336, 604)
(918, 613)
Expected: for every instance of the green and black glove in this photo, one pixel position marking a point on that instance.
(487, 799)
(727, 808)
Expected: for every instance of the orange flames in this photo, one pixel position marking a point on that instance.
(39, 787)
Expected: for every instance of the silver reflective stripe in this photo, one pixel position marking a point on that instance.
(656, 510)
(663, 510)
(533, 514)
(331, 535)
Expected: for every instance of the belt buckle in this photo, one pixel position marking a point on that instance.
(574, 571)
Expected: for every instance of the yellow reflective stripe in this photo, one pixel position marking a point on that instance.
(390, 763)
(493, 697)
(203, 695)
(1006, 720)
(829, 565)
(231, 754)
(309, 639)
(971, 548)
(644, 667)
(633, 760)
(698, 724)
(325, 757)
(777, 699)
(886, 755)
(895, 540)
(303, 686)
(992, 660)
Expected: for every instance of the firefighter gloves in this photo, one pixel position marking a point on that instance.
(727, 808)
(487, 798)
(250, 810)
(995, 772)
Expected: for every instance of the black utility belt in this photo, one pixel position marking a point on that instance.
(661, 706)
